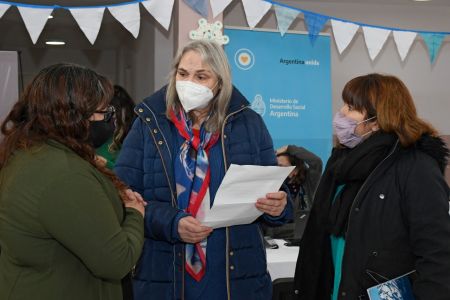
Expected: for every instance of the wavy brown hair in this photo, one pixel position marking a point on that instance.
(56, 105)
(388, 99)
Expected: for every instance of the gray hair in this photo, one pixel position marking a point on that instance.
(213, 55)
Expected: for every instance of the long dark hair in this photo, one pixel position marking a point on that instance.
(56, 105)
(124, 116)
(300, 168)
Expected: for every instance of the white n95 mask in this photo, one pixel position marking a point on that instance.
(193, 95)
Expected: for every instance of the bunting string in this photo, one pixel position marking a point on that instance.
(89, 19)
(349, 21)
(375, 36)
(56, 6)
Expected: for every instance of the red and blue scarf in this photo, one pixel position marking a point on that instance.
(192, 175)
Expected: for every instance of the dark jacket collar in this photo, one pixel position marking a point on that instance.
(434, 147)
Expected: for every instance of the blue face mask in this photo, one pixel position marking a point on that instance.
(344, 128)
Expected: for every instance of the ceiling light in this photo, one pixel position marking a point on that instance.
(50, 17)
(55, 43)
(421, 0)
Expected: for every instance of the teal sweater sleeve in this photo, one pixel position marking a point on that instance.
(78, 212)
(109, 156)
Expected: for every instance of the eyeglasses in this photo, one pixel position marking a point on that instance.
(108, 113)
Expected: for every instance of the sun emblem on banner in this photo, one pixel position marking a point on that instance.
(258, 105)
(244, 59)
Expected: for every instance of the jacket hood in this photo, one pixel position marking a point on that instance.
(436, 148)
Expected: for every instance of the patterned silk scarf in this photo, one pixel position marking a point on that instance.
(192, 177)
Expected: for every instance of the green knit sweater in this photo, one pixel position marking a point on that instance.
(64, 233)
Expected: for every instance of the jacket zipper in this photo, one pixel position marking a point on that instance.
(364, 184)
(172, 194)
(173, 201)
(369, 177)
(227, 233)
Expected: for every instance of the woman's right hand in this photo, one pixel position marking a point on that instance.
(135, 200)
(192, 231)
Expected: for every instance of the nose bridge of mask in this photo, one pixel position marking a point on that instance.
(200, 87)
(366, 120)
(342, 121)
(196, 86)
(191, 88)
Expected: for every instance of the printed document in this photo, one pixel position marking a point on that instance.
(235, 200)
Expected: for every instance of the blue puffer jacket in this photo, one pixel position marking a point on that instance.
(146, 165)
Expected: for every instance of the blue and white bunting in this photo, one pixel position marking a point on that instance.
(3, 8)
(433, 42)
(129, 16)
(218, 6)
(161, 10)
(89, 20)
(343, 33)
(200, 6)
(315, 24)
(255, 10)
(404, 41)
(285, 17)
(35, 20)
(375, 39)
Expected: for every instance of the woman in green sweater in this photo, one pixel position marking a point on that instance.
(112, 131)
(69, 229)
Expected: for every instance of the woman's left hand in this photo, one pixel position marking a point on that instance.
(273, 204)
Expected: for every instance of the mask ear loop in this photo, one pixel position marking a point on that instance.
(363, 121)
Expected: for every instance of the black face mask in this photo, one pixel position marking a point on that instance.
(100, 132)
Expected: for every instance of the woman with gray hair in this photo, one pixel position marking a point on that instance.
(186, 136)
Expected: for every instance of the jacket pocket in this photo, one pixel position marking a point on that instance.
(386, 265)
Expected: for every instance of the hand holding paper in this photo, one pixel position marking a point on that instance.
(192, 231)
(241, 187)
(273, 204)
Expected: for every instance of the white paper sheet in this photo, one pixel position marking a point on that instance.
(235, 200)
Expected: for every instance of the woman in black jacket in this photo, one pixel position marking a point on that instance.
(381, 209)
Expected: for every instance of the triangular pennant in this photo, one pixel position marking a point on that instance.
(314, 23)
(3, 8)
(161, 10)
(34, 19)
(285, 17)
(375, 39)
(343, 33)
(218, 6)
(89, 20)
(404, 41)
(129, 16)
(255, 11)
(433, 42)
(200, 6)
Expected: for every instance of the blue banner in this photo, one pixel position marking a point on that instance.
(288, 82)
